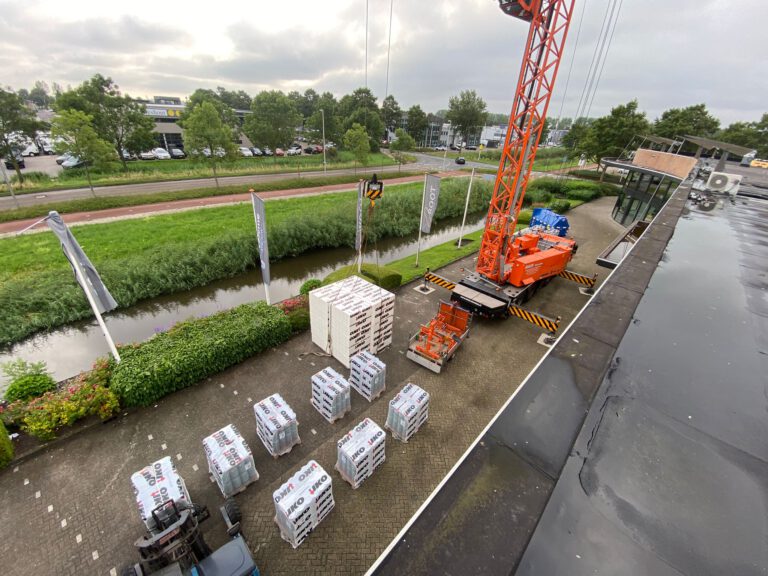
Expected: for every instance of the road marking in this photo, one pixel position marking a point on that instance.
(314, 431)
(113, 571)
(79, 538)
(221, 385)
(64, 523)
(250, 399)
(16, 469)
(26, 481)
(150, 437)
(50, 507)
(178, 456)
(234, 392)
(163, 446)
(95, 554)
(195, 467)
(37, 494)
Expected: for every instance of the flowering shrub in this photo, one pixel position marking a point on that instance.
(297, 310)
(292, 304)
(44, 415)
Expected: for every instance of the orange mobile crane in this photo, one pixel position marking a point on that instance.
(512, 266)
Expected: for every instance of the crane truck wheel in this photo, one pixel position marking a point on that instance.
(233, 510)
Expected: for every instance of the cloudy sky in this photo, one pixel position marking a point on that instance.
(664, 53)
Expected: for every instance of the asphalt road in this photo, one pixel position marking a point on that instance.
(7, 203)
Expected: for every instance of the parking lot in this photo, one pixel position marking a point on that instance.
(77, 499)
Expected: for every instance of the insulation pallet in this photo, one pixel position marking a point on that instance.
(350, 316)
(360, 452)
(330, 394)
(276, 425)
(408, 410)
(303, 502)
(367, 375)
(154, 485)
(230, 462)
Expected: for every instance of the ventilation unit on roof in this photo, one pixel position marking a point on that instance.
(724, 183)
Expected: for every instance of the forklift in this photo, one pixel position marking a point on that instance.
(177, 546)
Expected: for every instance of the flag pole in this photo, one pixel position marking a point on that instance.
(86, 288)
(360, 192)
(466, 206)
(421, 220)
(266, 293)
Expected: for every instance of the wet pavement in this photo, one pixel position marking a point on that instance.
(638, 445)
(76, 497)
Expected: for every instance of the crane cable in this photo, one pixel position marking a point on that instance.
(602, 66)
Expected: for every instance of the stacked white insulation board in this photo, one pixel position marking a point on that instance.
(230, 461)
(351, 315)
(367, 375)
(276, 425)
(330, 394)
(408, 410)
(360, 452)
(155, 484)
(303, 502)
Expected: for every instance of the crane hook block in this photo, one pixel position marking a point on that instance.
(374, 189)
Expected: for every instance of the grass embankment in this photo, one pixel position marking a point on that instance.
(162, 254)
(141, 171)
(105, 202)
(546, 158)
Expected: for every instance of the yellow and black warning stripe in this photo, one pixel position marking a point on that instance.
(579, 278)
(534, 318)
(435, 279)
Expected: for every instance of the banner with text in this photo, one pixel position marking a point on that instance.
(429, 202)
(261, 235)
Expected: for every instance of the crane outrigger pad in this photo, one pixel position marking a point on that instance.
(588, 281)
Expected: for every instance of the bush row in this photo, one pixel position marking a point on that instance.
(6, 447)
(196, 349)
(383, 276)
(44, 300)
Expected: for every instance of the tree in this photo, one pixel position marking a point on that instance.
(748, 134)
(466, 112)
(575, 135)
(693, 120)
(226, 113)
(417, 122)
(40, 95)
(403, 142)
(203, 128)
(75, 135)
(308, 103)
(15, 120)
(391, 113)
(274, 119)
(333, 125)
(360, 108)
(356, 141)
(117, 118)
(607, 136)
(239, 100)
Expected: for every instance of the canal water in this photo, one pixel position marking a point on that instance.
(71, 349)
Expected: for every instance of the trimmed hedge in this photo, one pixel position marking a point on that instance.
(193, 350)
(387, 278)
(6, 447)
(310, 285)
(560, 206)
(29, 386)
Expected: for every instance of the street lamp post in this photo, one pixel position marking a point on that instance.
(322, 114)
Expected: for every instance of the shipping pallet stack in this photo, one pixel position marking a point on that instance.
(361, 452)
(331, 394)
(303, 502)
(351, 315)
(408, 410)
(230, 462)
(154, 485)
(276, 425)
(367, 375)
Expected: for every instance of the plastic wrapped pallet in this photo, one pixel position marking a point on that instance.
(276, 425)
(408, 410)
(351, 315)
(154, 485)
(330, 394)
(230, 461)
(367, 375)
(303, 502)
(360, 452)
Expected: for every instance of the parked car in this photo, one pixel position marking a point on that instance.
(330, 145)
(279, 152)
(31, 150)
(245, 152)
(318, 149)
(61, 159)
(461, 160)
(177, 154)
(161, 154)
(309, 150)
(268, 151)
(471, 147)
(293, 152)
(72, 162)
(256, 151)
(127, 155)
(440, 148)
(19, 160)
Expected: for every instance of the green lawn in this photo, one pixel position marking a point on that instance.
(546, 158)
(141, 171)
